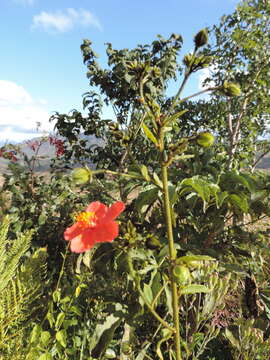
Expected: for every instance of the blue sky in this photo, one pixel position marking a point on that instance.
(41, 69)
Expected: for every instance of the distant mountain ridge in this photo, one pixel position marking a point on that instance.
(46, 152)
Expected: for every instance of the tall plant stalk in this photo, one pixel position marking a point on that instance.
(172, 255)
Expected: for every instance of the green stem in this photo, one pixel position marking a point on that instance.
(200, 93)
(110, 172)
(179, 91)
(172, 254)
(148, 305)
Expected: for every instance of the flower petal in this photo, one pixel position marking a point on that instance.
(113, 211)
(98, 208)
(83, 242)
(94, 206)
(72, 232)
(106, 232)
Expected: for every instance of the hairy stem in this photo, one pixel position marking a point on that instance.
(172, 254)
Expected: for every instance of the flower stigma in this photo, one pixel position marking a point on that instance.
(86, 219)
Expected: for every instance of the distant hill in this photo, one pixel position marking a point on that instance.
(45, 154)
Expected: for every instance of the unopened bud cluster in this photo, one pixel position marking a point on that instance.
(230, 89)
(201, 38)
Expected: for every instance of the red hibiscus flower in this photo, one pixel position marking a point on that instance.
(96, 224)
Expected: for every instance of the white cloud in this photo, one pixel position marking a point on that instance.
(63, 21)
(19, 114)
(13, 94)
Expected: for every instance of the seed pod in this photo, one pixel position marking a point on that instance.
(205, 139)
(201, 38)
(231, 89)
(181, 274)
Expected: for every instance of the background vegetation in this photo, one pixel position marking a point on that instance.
(107, 303)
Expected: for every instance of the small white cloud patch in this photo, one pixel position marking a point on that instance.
(20, 114)
(203, 75)
(63, 21)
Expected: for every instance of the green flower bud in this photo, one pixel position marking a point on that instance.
(81, 175)
(181, 274)
(201, 38)
(188, 60)
(205, 139)
(231, 89)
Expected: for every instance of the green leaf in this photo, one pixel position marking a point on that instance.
(146, 198)
(176, 116)
(202, 187)
(46, 356)
(35, 333)
(193, 289)
(61, 337)
(144, 172)
(147, 291)
(50, 318)
(76, 310)
(166, 335)
(149, 134)
(103, 335)
(220, 197)
(42, 219)
(168, 294)
(240, 201)
(59, 320)
(45, 337)
(189, 258)
(157, 180)
(232, 339)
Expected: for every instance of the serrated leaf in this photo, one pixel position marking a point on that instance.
(149, 134)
